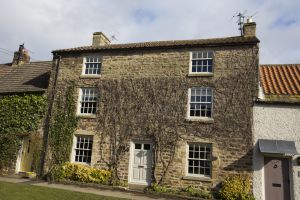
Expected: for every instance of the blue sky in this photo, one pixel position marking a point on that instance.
(45, 25)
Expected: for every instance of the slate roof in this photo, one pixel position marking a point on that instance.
(28, 77)
(166, 44)
(280, 81)
(4, 68)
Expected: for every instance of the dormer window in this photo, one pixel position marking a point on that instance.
(201, 62)
(91, 65)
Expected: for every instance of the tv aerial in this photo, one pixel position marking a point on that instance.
(241, 19)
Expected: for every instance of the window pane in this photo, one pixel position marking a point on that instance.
(190, 170)
(196, 170)
(138, 146)
(207, 171)
(147, 146)
(194, 55)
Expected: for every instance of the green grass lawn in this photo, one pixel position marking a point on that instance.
(17, 191)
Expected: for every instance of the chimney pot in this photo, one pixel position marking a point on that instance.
(249, 28)
(99, 39)
(249, 20)
(21, 56)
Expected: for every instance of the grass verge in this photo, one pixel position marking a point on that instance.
(17, 191)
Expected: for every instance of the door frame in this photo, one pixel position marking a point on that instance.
(19, 157)
(290, 164)
(131, 155)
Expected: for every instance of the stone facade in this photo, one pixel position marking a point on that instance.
(229, 132)
(275, 122)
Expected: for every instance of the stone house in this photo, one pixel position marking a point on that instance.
(176, 112)
(276, 128)
(22, 77)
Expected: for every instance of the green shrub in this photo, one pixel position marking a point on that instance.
(159, 188)
(191, 191)
(80, 173)
(236, 187)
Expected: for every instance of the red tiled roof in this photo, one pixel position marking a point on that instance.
(280, 79)
(167, 44)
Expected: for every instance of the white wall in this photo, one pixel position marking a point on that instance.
(279, 122)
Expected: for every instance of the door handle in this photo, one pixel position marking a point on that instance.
(140, 166)
(276, 184)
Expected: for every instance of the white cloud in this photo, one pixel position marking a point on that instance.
(45, 25)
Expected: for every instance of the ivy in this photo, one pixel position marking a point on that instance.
(19, 115)
(64, 123)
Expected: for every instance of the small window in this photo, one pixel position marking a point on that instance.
(147, 146)
(138, 146)
(88, 101)
(201, 62)
(200, 102)
(199, 159)
(83, 149)
(92, 65)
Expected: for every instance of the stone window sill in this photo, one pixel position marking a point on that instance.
(209, 74)
(87, 116)
(81, 163)
(197, 178)
(90, 76)
(200, 119)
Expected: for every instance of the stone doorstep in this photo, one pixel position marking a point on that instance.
(133, 188)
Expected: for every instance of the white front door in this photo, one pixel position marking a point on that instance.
(141, 163)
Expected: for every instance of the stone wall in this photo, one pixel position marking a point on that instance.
(234, 82)
(277, 122)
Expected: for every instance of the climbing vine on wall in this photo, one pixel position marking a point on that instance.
(62, 127)
(19, 115)
(155, 108)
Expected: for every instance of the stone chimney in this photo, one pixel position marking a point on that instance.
(21, 56)
(99, 39)
(249, 28)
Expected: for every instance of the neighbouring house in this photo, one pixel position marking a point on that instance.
(21, 84)
(276, 129)
(174, 112)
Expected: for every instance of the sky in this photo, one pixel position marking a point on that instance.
(46, 25)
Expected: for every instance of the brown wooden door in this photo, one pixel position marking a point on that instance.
(277, 184)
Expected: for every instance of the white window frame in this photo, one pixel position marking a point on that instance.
(80, 100)
(189, 105)
(208, 58)
(74, 148)
(84, 65)
(205, 160)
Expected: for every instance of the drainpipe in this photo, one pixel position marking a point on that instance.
(56, 62)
